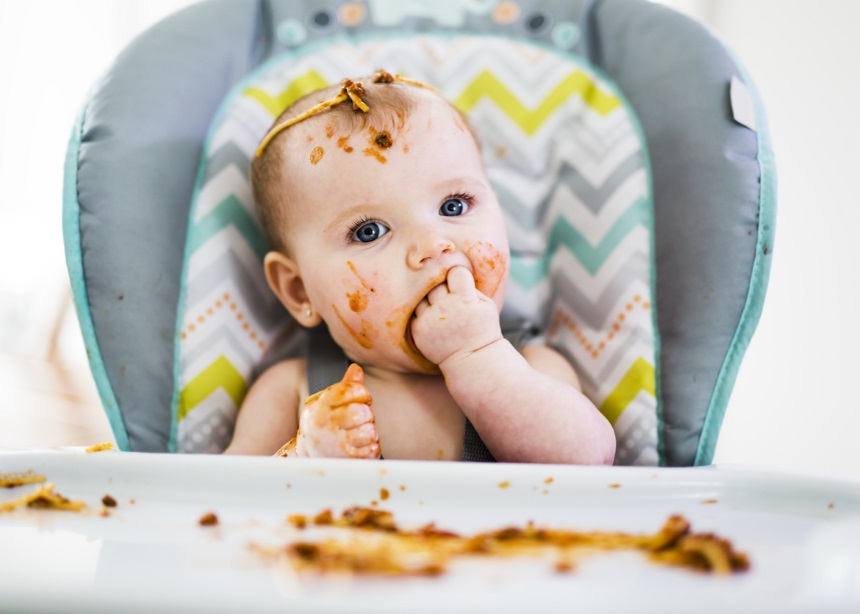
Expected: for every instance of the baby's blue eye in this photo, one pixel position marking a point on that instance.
(369, 232)
(453, 207)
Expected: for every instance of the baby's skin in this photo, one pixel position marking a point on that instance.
(454, 320)
(337, 422)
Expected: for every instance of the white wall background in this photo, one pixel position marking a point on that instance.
(794, 405)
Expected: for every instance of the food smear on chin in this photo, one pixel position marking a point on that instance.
(317, 154)
(399, 324)
(490, 265)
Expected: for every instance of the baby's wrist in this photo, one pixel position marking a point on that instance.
(462, 363)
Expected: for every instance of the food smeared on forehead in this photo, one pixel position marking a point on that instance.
(365, 116)
(349, 91)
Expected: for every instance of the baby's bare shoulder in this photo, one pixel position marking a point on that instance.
(282, 378)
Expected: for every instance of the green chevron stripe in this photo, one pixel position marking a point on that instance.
(228, 212)
(639, 377)
(529, 273)
(307, 83)
(220, 374)
(486, 85)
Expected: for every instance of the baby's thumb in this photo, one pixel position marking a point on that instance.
(354, 374)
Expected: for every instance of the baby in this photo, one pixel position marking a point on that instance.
(384, 228)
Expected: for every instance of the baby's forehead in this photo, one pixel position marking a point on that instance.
(383, 114)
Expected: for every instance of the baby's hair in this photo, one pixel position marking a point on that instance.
(383, 98)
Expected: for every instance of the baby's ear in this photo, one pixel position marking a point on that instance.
(286, 282)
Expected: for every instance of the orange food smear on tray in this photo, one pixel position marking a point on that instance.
(377, 546)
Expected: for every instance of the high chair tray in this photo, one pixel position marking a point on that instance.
(150, 553)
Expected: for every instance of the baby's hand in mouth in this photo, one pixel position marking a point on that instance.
(455, 318)
(338, 422)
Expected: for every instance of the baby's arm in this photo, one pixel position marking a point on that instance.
(527, 407)
(336, 422)
(269, 414)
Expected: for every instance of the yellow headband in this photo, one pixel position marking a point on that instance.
(350, 90)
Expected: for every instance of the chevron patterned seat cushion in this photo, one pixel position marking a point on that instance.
(567, 159)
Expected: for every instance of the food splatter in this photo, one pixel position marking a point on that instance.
(364, 337)
(20, 478)
(377, 546)
(209, 519)
(490, 266)
(343, 143)
(317, 154)
(383, 140)
(372, 152)
(43, 497)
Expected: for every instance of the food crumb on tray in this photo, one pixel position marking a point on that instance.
(100, 447)
(20, 478)
(209, 519)
(43, 497)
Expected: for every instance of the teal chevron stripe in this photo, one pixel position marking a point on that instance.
(228, 211)
(529, 274)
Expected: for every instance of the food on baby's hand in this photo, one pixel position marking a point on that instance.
(336, 422)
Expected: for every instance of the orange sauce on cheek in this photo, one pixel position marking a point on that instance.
(359, 299)
(317, 154)
(364, 337)
(490, 266)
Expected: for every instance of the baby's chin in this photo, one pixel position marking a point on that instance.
(403, 359)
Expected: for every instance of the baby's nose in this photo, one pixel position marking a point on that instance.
(427, 247)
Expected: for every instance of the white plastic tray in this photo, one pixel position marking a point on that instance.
(801, 533)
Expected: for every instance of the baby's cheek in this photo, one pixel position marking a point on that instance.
(352, 310)
(490, 266)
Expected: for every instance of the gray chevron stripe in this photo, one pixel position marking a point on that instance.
(595, 197)
(265, 305)
(595, 311)
(215, 334)
(620, 353)
(592, 197)
(229, 153)
(597, 144)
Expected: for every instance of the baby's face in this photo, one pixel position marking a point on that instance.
(381, 219)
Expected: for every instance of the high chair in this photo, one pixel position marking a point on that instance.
(626, 144)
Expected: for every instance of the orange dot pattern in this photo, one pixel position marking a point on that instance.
(594, 347)
(224, 302)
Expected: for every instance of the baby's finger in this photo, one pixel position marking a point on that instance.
(356, 414)
(361, 436)
(353, 373)
(460, 280)
(371, 451)
(345, 393)
(437, 293)
(421, 308)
